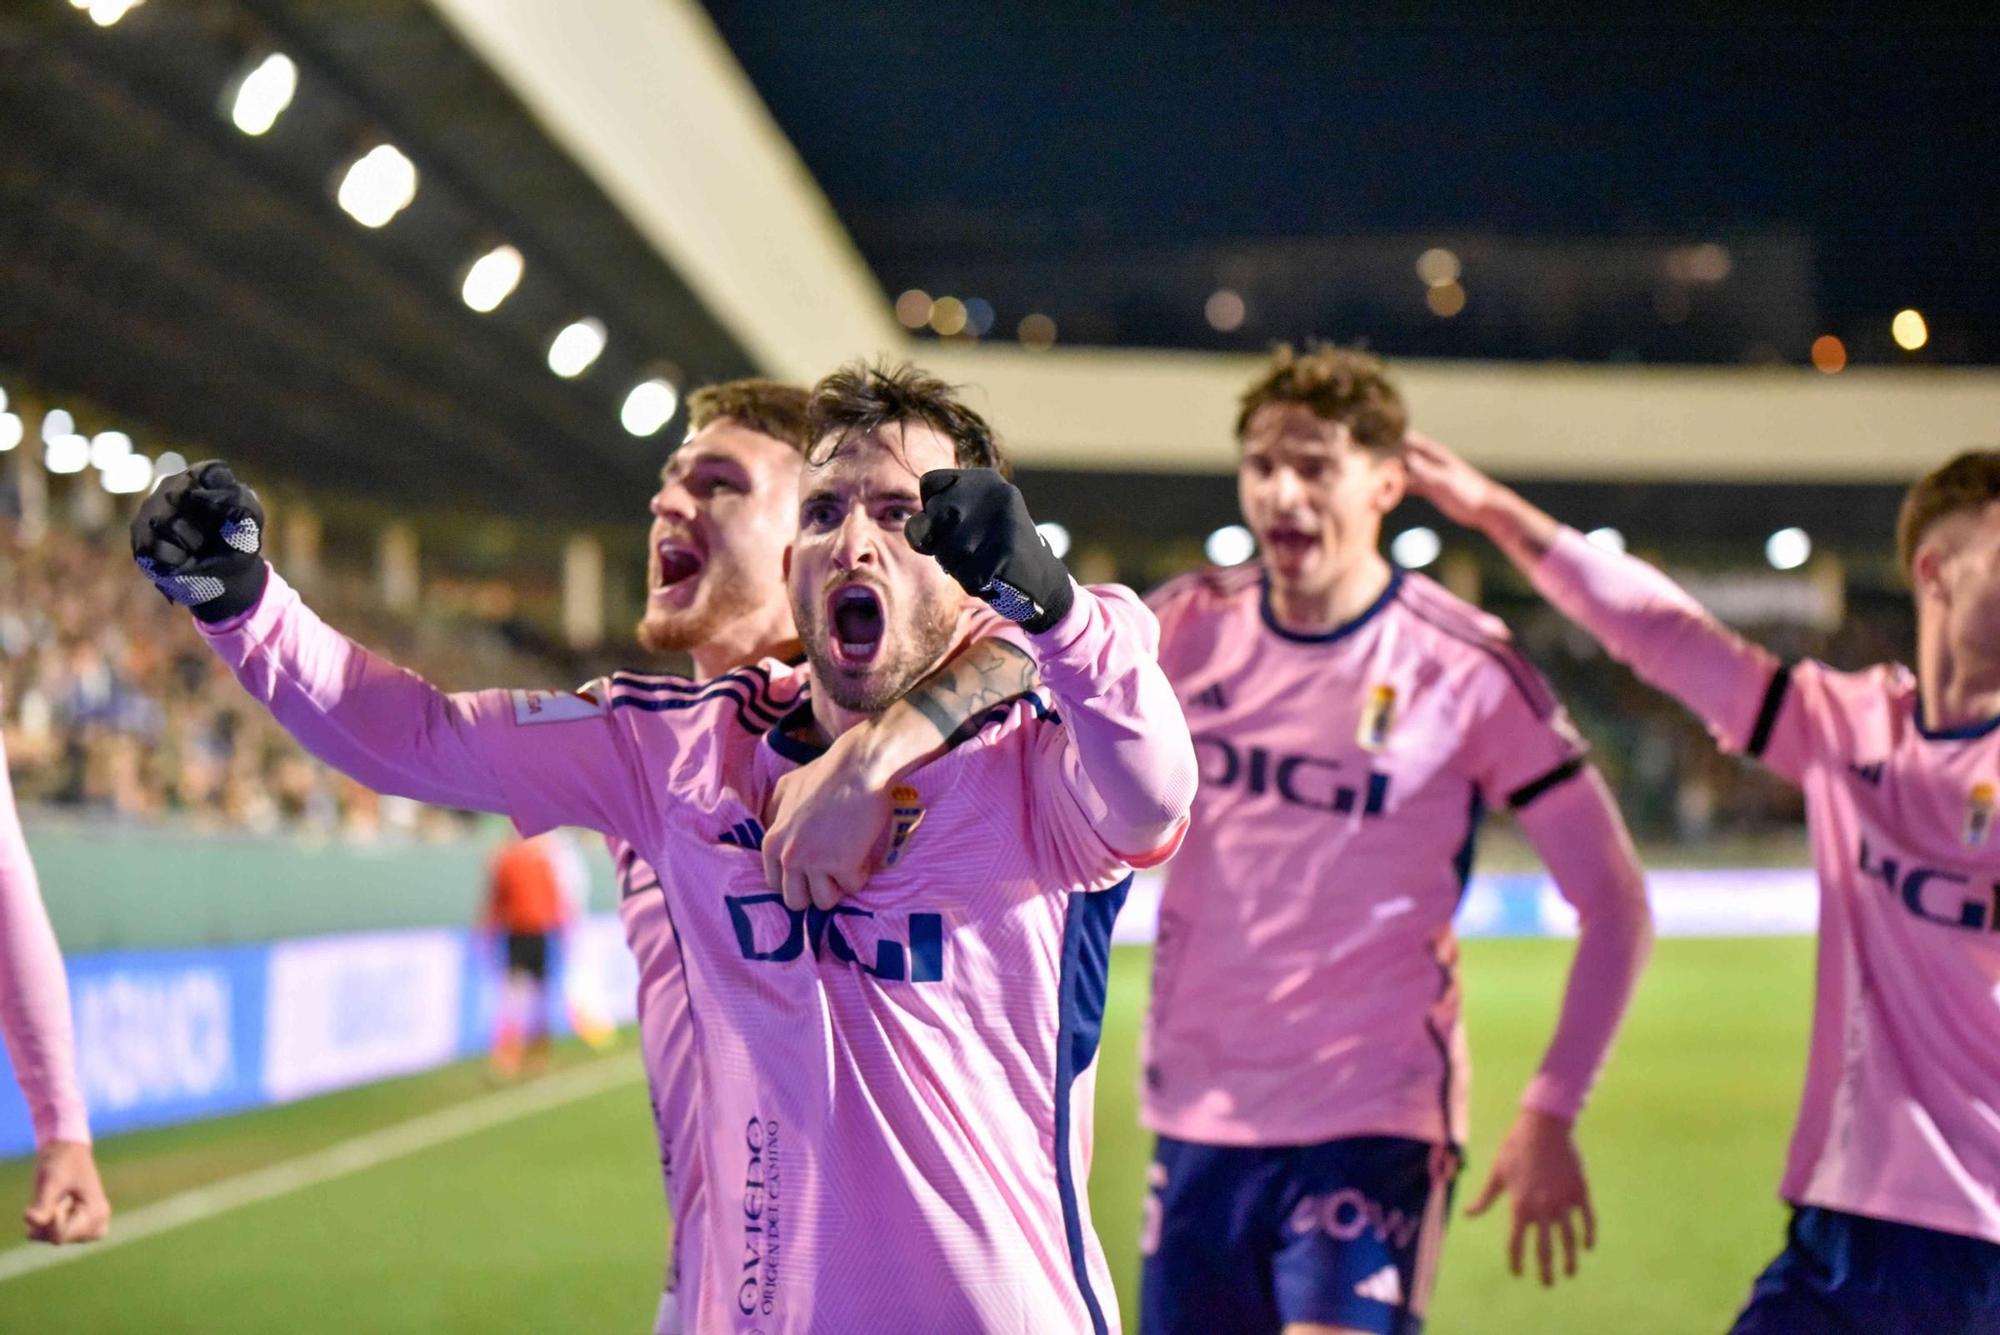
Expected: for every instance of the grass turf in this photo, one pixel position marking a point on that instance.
(553, 1222)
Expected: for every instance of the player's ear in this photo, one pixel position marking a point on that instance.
(1927, 570)
(1392, 482)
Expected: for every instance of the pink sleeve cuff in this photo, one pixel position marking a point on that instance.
(1552, 1095)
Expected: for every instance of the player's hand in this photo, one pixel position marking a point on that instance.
(1458, 490)
(200, 538)
(977, 525)
(823, 823)
(1538, 1163)
(69, 1203)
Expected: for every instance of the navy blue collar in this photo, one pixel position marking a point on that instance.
(782, 739)
(1964, 732)
(1339, 632)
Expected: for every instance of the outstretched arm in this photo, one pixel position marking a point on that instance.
(1641, 617)
(1576, 828)
(199, 539)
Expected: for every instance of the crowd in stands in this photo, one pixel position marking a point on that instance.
(111, 705)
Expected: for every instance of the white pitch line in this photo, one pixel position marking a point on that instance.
(349, 1156)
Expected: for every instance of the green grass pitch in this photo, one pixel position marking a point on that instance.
(552, 1222)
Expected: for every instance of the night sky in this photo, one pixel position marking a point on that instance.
(981, 147)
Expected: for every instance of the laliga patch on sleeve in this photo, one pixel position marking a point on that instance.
(556, 706)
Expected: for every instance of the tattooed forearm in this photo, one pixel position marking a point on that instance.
(989, 673)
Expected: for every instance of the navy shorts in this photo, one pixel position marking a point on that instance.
(1243, 1240)
(1845, 1274)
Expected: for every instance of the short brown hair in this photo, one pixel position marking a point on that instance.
(768, 407)
(1969, 482)
(1344, 385)
(860, 398)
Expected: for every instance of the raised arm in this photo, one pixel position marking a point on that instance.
(1642, 618)
(68, 1204)
(199, 539)
(1134, 770)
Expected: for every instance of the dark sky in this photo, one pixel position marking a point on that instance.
(981, 144)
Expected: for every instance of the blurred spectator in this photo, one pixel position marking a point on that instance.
(527, 905)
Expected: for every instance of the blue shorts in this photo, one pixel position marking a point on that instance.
(1244, 1240)
(1845, 1274)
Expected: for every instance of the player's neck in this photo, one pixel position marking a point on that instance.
(1315, 611)
(1959, 688)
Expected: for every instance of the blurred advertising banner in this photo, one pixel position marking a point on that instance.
(178, 1035)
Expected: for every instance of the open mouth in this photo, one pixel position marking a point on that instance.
(854, 615)
(677, 561)
(1289, 544)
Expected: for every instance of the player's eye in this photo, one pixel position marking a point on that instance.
(820, 514)
(898, 513)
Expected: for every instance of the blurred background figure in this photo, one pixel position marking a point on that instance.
(529, 902)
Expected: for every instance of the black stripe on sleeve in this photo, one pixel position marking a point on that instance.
(1767, 713)
(1534, 788)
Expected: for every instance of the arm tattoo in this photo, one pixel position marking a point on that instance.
(991, 672)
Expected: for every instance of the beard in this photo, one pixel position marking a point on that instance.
(726, 590)
(908, 651)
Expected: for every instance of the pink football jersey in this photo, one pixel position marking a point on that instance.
(1901, 1114)
(894, 1092)
(666, 1044)
(1306, 974)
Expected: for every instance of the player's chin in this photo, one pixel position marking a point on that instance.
(672, 630)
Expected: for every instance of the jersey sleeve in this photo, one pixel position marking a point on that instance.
(1652, 625)
(545, 758)
(1116, 782)
(34, 993)
(1520, 740)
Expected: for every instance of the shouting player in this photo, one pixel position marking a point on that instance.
(723, 516)
(1305, 1069)
(1894, 1175)
(890, 1084)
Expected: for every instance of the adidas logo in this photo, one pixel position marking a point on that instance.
(1212, 698)
(743, 834)
(1384, 1286)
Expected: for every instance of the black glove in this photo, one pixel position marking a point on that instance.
(198, 538)
(977, 526)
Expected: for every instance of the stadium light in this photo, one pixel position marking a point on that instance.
(948, 316)
(1909, 330)
(1230, 545)
(913, 309)
(1415, 548)
(107, 448)
(12, 429)
(57, 423)
(1445, 300)
(66, 454)
(264, 94)
(379, 185)
(1037, 332)
(133, 473)
(3, 398)
(979, 317)
(1788, 549)
(1829, 355)
(576, 347)
(1056, 536)
(1438, 266)
(104, 13)
(1610, 539)
(167, 465)
(492, 278)
(1225, 311)
(649, 406)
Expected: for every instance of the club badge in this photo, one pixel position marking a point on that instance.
(1377, 717)
(1979, 814)
(905, 819)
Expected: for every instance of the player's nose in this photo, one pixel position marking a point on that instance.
(854, 542)
(672, 501)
